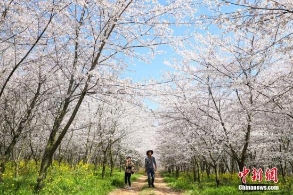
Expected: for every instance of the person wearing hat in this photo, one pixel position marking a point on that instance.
(150, 167)
(129, 169)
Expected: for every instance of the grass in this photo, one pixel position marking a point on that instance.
(147, 191)
(229, 185)
(63, 179)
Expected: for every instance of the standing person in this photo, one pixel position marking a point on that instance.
(150, 167)
(129, 169)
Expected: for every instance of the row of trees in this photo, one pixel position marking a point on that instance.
(61, 92)
(230, 102)
(62, 96)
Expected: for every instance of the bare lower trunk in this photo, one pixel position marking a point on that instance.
(194, 172)
(283, 171)
(2, 169)
(16, 169)
(111, 163)
(46, 162)
(177, 171)
(208, 170)
(104, 164)
(120, 163)
(96, 163)
(198, 172)
(217, 175)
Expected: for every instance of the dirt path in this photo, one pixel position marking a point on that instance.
(140, 187)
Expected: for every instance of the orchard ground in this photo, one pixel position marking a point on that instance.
(79, 179)
(62, 178)
(229, 185)
(140, 187)
(83, 179)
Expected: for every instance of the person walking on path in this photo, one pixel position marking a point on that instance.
(129, 169)
(150, 167)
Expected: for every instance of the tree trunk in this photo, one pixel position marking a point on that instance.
(283, 171)
(54, 140)
(169, 169)
(111, 162)
(96, 163)
(232, 170)
(33, 153)
(195, 169)
(89, 146)
(177, 171)
(217, 174)
(104, 164)
(120, 164)
(46, 162)
(198, 172)
(16, 161)
(2, 170)
(208, 170)
(194, 172)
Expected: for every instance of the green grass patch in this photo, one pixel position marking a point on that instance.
(147, 191)
(61, 179)
(229, 185)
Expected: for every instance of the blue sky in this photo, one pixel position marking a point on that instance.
(142, 72)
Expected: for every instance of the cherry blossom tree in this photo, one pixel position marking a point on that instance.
(234, 73)
(81, 47)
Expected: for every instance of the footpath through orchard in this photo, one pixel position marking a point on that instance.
(140, 187)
